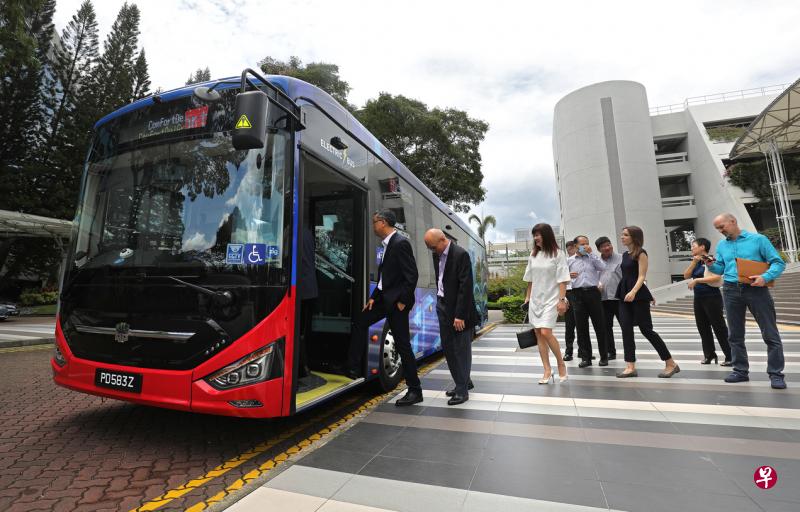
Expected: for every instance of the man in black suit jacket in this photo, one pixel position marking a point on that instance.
(455, 307)
(392, 299)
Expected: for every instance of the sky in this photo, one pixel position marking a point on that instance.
(507, 63)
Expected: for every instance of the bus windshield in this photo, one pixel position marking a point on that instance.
(181, 201)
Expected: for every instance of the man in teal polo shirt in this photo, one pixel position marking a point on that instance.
(754, 296)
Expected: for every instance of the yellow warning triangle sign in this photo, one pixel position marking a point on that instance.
(243, 122)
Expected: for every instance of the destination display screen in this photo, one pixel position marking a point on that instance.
(176, 118)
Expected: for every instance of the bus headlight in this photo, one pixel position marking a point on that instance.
(59, 357)
(254, 367)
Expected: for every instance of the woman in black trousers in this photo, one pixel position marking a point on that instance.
(634, 307)
(707, 304)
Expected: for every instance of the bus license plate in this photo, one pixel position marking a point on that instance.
(130, 382)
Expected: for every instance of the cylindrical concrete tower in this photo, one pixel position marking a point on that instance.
(606, 169)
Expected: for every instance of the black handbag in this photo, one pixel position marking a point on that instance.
(526, 337)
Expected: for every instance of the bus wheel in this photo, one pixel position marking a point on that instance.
(389, 371)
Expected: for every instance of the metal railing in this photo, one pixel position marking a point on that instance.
(671, 158)
(671, 202)
(718, 97)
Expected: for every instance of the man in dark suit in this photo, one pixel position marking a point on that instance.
(392, 299)
(455, 307)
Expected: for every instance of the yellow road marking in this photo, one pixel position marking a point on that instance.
(278, 459)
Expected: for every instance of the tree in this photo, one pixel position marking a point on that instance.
(141, 77)
(483, 225)
(201, 75)
(74, 59)
(26, 31)
(323, 75)
(114, 79)
(441, 147)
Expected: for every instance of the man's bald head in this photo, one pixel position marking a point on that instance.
(727, 224)
(435, 240)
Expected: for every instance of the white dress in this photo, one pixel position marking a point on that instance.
(545, 272)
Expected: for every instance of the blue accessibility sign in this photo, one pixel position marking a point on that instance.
(235, 254)
(255, 254)
(273, 253)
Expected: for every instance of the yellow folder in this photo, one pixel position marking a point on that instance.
(747, 268)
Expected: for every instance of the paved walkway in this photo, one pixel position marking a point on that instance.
(21, 331)
(593, 443)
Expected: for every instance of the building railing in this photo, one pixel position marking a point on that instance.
(718, 97)
(671, 202)
(671, 158)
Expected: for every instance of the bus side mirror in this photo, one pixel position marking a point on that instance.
(250, 130)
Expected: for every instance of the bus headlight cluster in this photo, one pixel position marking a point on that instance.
(254, 367)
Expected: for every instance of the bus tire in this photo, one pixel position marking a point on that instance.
(390, 368)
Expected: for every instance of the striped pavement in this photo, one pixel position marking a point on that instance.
(23, 332)
(592, 443)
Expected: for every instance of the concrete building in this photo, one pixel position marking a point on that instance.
(619, 162)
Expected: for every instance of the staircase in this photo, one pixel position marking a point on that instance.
(786, 294)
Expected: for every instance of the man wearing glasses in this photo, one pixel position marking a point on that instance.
(392, 299)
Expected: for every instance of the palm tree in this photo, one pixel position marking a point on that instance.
(483, 225)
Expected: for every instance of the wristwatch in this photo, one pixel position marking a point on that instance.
(564, 300)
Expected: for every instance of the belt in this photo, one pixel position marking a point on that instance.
(586, 288)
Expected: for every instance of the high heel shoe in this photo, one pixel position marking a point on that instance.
(707, 360)
(547, 380)
(726, 362)
(565, 377)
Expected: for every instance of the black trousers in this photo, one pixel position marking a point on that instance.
(589, 304)
(708, 316)
(457, 348)
(398, 323)
(638, 312)
(610, 310)
(569, 325)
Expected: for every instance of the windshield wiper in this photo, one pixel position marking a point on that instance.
(222, 298)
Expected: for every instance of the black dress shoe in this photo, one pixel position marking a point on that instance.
(452, 392)
(568, 357)
(603, 362)
(411, 398)
(612, 356)
(585, 363)
(458, 399)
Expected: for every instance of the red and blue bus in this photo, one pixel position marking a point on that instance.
(181, 283)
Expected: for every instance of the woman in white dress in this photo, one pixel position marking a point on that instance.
(547, 275)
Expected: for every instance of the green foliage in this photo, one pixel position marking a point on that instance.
(753, 175)
(33, 297)
(774, 236)
(511, 285)
(725, 133)
(201, 75)
(440, 146)
(511, 306)
(322, 74)
(493, 305)
(50, 97)
(483, 225)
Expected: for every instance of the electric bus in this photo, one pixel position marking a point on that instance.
(199, 212)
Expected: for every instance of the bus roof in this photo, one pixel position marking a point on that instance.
(298, 89)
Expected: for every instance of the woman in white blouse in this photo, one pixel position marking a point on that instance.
(547, 275)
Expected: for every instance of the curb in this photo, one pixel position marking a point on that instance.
(26, 343)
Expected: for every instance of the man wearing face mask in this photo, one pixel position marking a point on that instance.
(584, 269)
